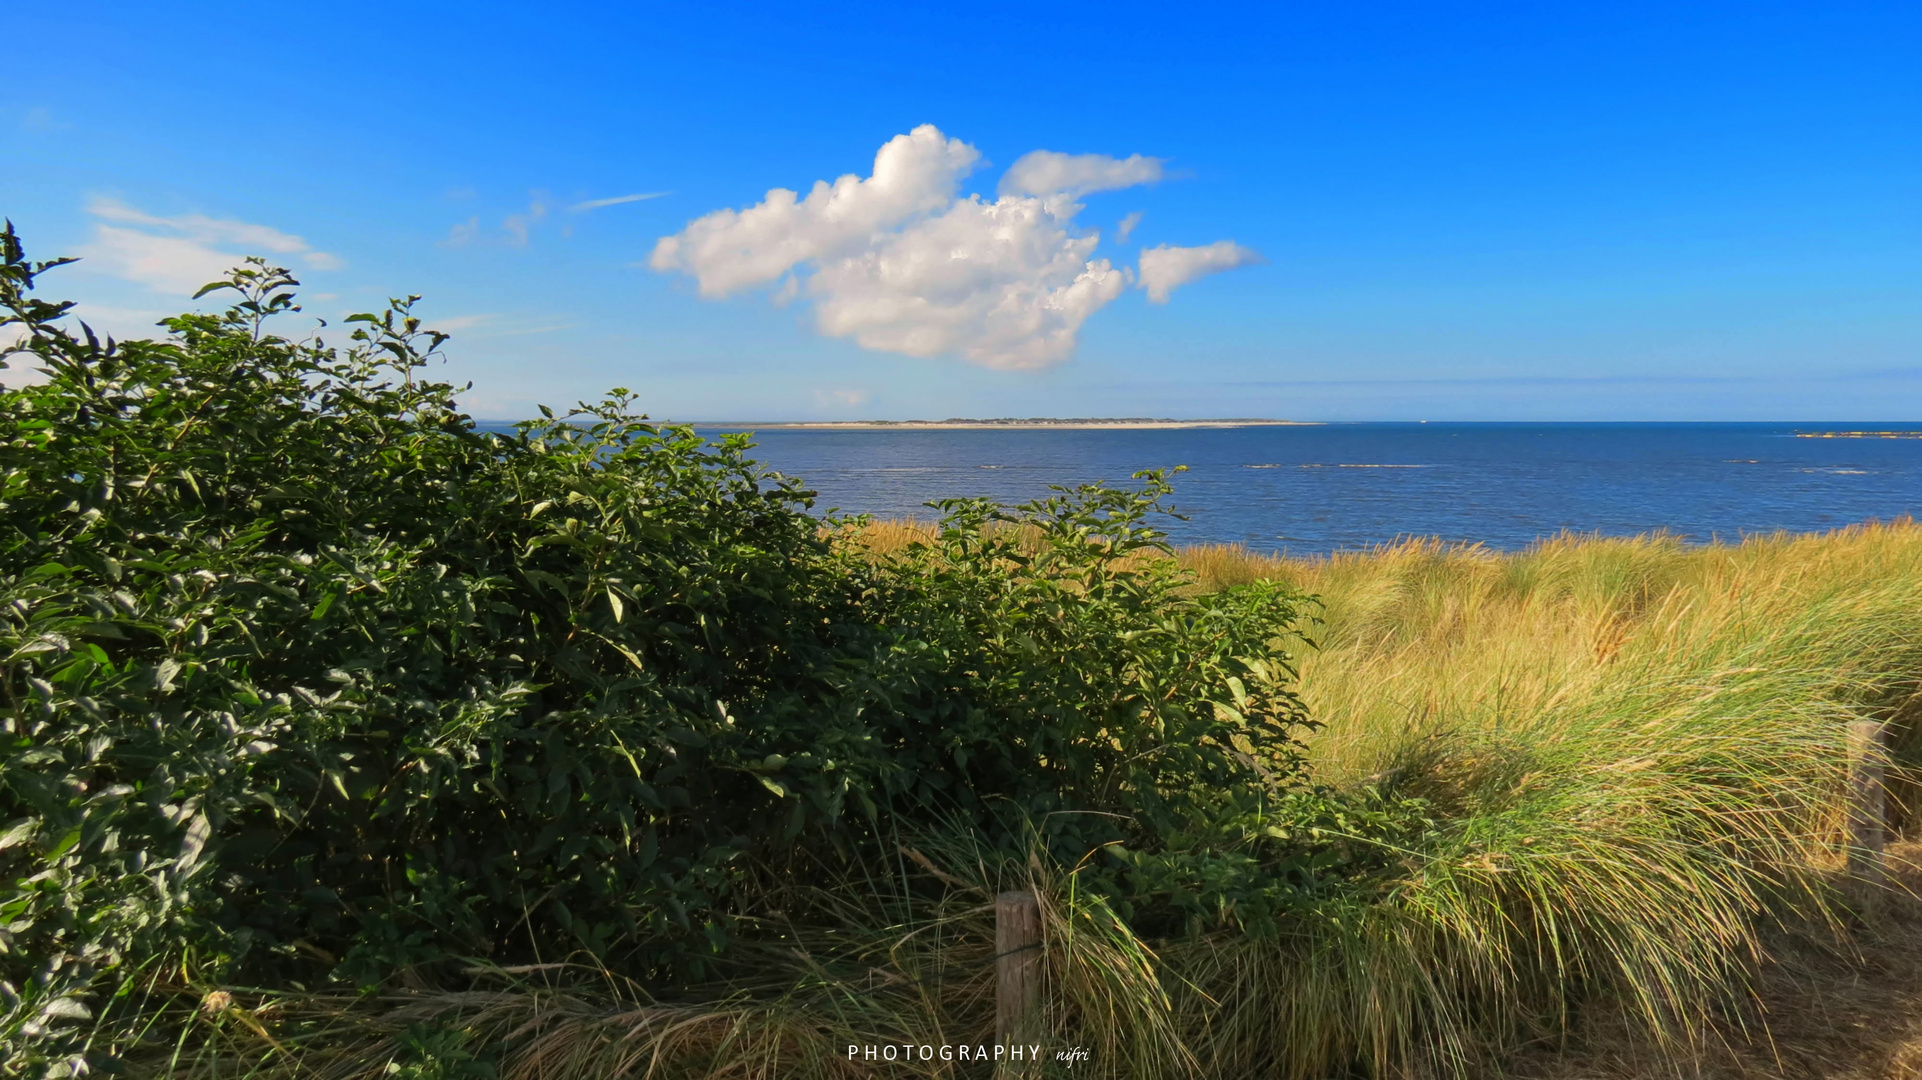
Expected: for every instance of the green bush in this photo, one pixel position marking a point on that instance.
(307, 679)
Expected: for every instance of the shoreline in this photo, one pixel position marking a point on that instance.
(1032, 424)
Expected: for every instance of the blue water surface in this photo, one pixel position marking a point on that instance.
(1315, 489)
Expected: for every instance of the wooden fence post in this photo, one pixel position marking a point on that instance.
(1017, 969)
(1868, 801)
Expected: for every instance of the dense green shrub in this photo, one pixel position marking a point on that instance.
(309, 679)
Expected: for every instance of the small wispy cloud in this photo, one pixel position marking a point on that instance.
(515, 229)
(596, 204)
(489, 324)
(526, 330)
(1042, 173)
(182, 253)
(39, 120)
(841, 399)
(516, 225)
(1165, 268)
(1127, 227)
(461, 322)
(463, 233)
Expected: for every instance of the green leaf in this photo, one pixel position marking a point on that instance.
(65, 844)
(19, 832)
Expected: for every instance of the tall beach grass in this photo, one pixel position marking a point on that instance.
(1635, 752)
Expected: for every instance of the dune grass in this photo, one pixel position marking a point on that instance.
(1629, 755)
(1634, 751)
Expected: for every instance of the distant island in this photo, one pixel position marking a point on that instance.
(1858, 434)
(1055, 422)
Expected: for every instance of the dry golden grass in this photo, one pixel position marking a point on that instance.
(1612, 670)
(1420, 637)
(1850, 1011)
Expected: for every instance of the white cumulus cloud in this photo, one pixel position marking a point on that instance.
(180, 254)
(1004, 284)
(899, 261)
(1165, 268)
(728, 250)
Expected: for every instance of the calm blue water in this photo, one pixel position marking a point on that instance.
(1322, 488)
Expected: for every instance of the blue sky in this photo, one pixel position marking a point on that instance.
(1570, 211)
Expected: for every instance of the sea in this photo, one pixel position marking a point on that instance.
(1315, 489)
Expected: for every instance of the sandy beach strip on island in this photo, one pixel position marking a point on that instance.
(1079, 424)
